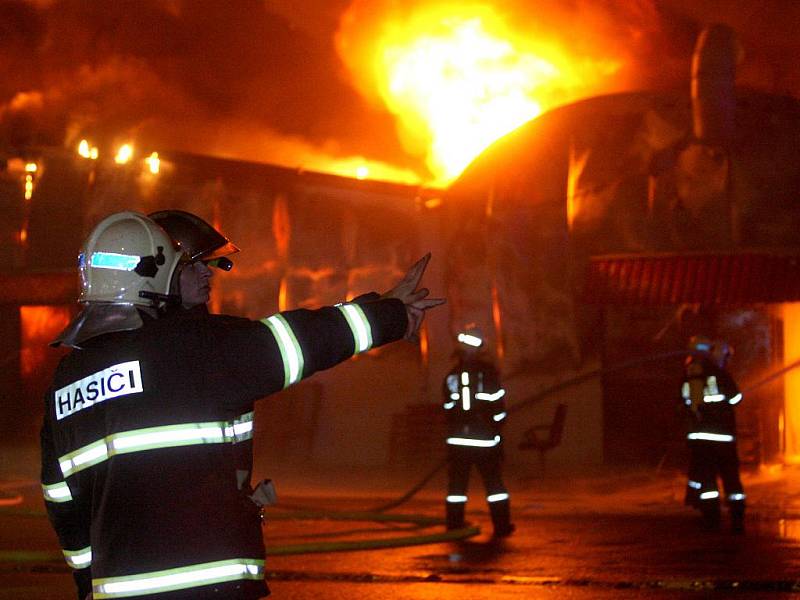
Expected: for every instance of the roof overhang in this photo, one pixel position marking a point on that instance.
(732, 278)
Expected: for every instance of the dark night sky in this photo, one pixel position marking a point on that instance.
(259, 80)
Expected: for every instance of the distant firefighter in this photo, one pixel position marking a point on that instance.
(475, 406)
(710, 396)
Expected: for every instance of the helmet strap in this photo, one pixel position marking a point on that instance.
(158, 298)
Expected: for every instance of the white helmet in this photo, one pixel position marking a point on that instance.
(127, 263)
(127, 259)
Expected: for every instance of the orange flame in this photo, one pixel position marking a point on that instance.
(458, 77)
(240, 143)
(124, 154)
(791, 382)
(39, 325)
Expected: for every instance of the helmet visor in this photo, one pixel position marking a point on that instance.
(209, 255)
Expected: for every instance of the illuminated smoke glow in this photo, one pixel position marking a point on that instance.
(405, 91)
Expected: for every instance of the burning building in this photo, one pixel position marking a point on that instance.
(598, 233)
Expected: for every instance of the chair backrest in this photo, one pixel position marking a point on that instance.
(557, 426)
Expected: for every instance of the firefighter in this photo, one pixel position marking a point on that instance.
(475, 407)
(138, 467)
(710, 396)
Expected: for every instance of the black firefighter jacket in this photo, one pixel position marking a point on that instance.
(475, 405)
(139, 444)
(711, 394)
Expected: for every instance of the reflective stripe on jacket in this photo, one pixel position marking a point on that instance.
(713, 395)
(474, 402)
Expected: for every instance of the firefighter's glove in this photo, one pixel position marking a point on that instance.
(264, 493)
(416, 300)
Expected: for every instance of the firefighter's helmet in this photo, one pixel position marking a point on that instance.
(470, 338)
(700, 343)
(127, 259)
(127, 264)
(196, 237)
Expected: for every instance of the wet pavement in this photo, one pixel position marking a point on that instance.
(609, 535)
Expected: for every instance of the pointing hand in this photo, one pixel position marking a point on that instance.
(416, 300)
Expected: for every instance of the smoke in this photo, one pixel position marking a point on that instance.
(234, 79)
(767, 30)
(263, 80)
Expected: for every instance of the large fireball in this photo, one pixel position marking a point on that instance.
(457, 77)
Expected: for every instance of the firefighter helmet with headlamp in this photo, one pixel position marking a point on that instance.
(196, 237)
(127, 259)
(700, 343)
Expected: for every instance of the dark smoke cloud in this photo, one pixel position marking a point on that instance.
(262, 80)
(201, 75)
(767, 29)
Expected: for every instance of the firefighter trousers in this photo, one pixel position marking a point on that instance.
(488, 461)
(709, 460)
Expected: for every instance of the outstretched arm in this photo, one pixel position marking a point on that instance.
(282, 349)
(415, 300)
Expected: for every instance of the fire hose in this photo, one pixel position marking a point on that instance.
(378, 513)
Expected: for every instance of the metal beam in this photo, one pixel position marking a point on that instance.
(60, 287)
